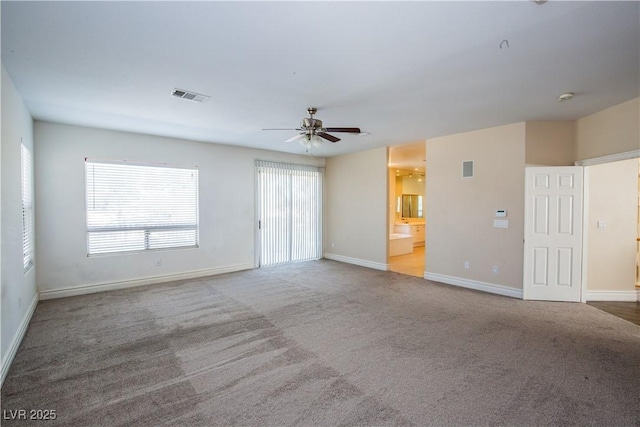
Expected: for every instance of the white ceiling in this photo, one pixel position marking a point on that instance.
(403, 71)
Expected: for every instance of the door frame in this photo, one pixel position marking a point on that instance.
(257, 228)
(626, 155)
(585, 233)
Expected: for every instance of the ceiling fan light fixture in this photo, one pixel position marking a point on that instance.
(310, 140)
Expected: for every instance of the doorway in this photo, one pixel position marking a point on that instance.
(612, 231)
(289, 213)
(406, 209)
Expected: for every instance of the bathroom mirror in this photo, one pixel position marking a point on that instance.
(412, 206)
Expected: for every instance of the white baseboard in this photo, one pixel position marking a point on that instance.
(17, 339)
(110, 286)
(623, 296)
(474, 284)
(357, 261)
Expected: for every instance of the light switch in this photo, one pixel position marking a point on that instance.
(601, 224)
(500, 223)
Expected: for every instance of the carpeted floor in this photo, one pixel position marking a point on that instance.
(323, 343)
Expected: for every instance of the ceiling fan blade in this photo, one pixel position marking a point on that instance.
(295, 138)
(328, 137)
(349, 130)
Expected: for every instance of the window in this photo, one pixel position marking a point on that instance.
(139, 207)
(27, 207)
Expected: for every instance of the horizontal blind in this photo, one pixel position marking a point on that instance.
(27, 207)
(137, 207)
(290, 212)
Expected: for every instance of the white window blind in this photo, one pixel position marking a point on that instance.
(290, 212)
(138, 207)
(27, 207)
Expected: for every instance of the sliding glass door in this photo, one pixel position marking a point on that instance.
(290, 212)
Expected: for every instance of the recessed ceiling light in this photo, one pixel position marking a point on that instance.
(565, 96)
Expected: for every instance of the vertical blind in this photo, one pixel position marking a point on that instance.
(290, 212)
(27, 207)
(137, 207)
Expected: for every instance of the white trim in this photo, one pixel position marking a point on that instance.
(474, 284)
(625, 296)
(17, 338)
(585, 235)
(357, 261)
(124, 284)
(633, 154)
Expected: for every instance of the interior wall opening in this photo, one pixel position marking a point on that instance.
(407, 203)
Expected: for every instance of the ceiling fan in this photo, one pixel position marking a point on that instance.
(311, 130)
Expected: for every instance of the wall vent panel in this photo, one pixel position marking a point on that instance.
(467, 169)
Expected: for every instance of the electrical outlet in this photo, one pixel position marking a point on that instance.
(495, 269)
(466, 264)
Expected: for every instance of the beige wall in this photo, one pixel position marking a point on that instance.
(356, 206)
(611, 131)
(460, 211)
(550, 143)
(18, 288)
(611, 252)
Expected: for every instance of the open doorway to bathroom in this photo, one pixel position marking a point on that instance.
(407, 222)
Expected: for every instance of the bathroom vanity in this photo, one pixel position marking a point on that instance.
(415, 229)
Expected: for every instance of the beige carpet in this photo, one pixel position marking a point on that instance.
(323, 343)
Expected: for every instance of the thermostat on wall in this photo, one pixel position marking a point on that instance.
(501, 213)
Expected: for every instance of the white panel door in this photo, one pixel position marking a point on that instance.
(553, 233)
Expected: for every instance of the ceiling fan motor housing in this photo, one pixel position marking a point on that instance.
(310, 123)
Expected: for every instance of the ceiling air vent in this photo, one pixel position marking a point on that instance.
(191, 96)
